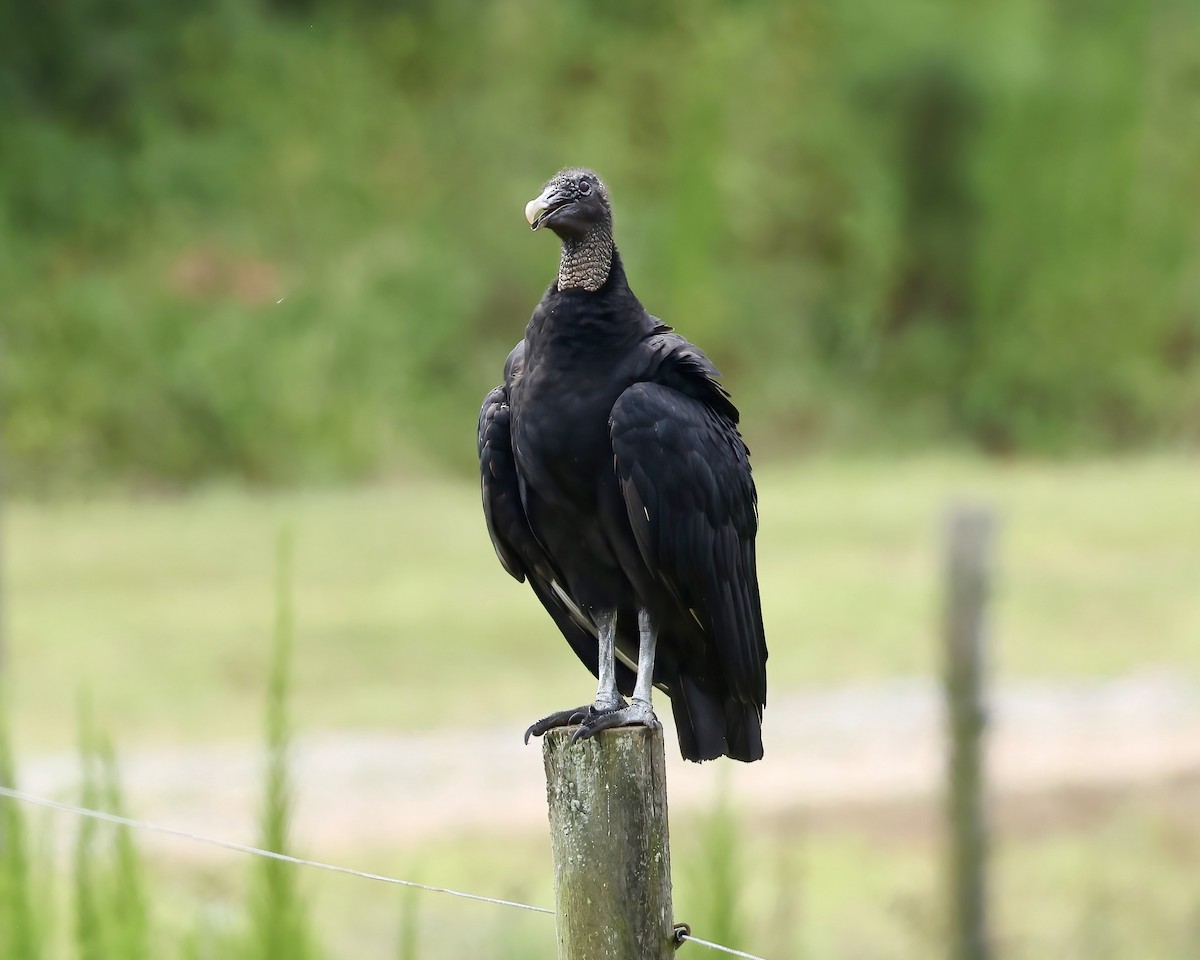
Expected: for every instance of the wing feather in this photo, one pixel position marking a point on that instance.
(511, 537)
(518, 549)
(685, 476)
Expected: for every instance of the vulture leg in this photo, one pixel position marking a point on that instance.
(608, 698)
(639, 711)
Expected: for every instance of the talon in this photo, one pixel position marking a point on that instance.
(564, 718)
(635, 714)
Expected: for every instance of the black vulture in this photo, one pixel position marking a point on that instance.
(616, 482)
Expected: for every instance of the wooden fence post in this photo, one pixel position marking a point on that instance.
(969, 532)
(608, 828)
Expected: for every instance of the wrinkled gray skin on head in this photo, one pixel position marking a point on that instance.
(574, 204)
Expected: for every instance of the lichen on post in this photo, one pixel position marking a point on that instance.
(612, 862)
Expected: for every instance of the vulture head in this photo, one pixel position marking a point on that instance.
(574, 204)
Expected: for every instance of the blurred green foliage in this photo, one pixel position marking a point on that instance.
(282, 239)
(110, 911)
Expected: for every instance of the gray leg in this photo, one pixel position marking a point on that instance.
(608, 697)
(639, 711)
(647, 638)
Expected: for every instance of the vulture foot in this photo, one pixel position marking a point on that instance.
(638, 713)
(569, 718)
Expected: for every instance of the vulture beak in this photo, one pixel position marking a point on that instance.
(540, 207)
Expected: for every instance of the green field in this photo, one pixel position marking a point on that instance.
(161, 611)
(1116, 882)
(1083, 879)
(161, 608)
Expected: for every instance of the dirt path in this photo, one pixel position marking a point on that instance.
(825, 751)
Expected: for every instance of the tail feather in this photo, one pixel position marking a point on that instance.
(709, 727)
(743, 731)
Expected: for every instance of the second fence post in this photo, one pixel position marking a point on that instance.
(612, 860)
(968, 569)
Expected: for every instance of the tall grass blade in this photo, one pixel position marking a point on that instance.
(280, 928)
(723, 872)
(126, 890)
(20, 932)
(89, 915)
(409, 925)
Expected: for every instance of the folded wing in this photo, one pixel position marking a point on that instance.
(685, 477)
(518, 549)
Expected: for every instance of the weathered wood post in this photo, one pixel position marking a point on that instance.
(969, 531)
(608, 828)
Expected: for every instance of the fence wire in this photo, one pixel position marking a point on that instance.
(255, 851)
(717, 946)
(35, 800)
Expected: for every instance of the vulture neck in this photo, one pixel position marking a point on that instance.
(586, 261)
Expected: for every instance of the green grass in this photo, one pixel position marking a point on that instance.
(1109, 880)
(401, 616)
(1071, 878)
(20, 917)
(109, 912)
(404, 619)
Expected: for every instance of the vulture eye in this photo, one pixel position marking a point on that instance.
(584, 188)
